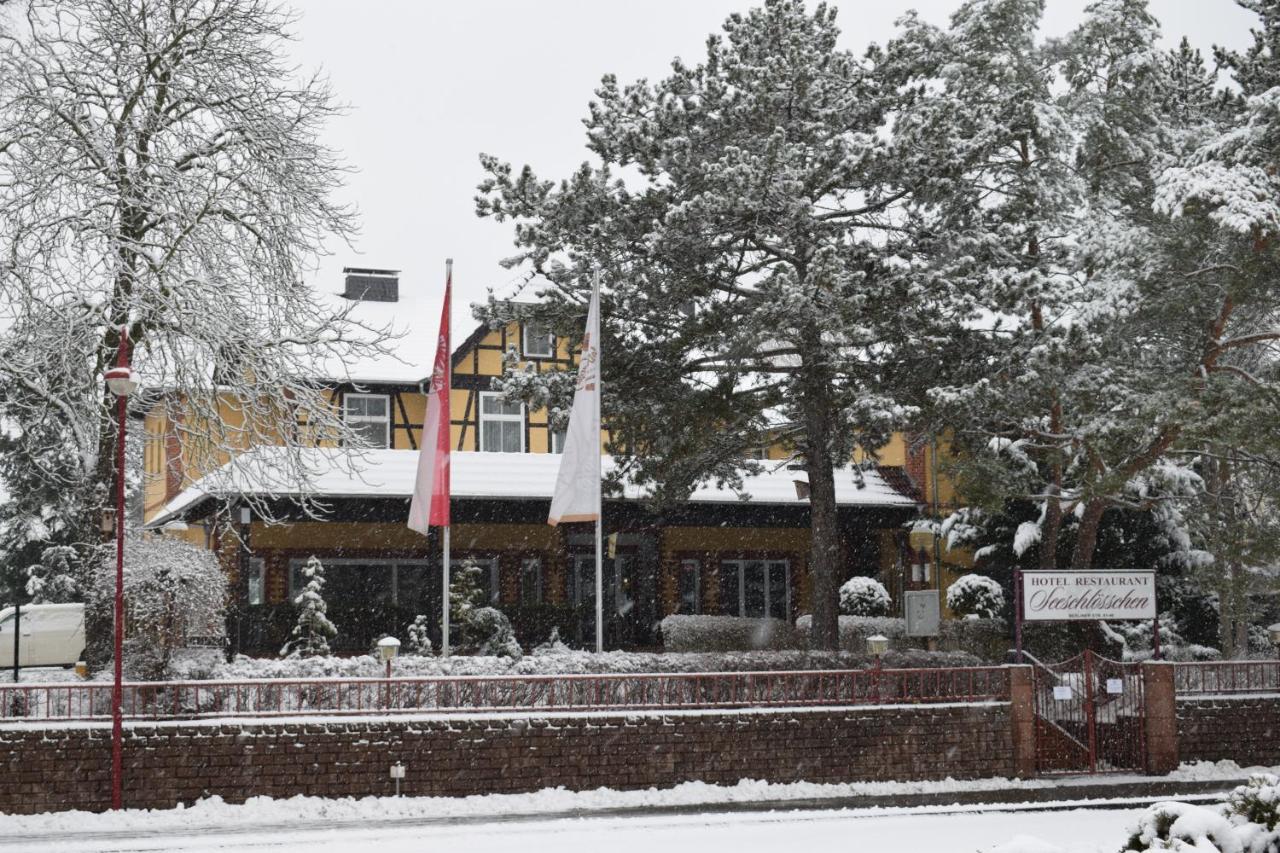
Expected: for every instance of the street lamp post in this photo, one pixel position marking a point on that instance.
(121, 383)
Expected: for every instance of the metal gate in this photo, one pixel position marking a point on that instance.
(1089, 716)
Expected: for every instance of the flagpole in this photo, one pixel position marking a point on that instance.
(448, 430)
(595, 293)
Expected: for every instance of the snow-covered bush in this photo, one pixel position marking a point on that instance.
(975, 595)
(1137, 641)
(494, 628)
(420, 636)
(553, 646)
(854, 631)
(477, 628)
(987, 638)
(174, 593)
(861, 596)
(576, 661)
(1249, 822)
(702, 633)
(313, 630)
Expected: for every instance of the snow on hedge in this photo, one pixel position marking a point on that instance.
(976, 595)
(861, 596)
(686, 633)
(562, 661)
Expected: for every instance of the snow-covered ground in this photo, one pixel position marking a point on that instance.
(702, 818)
(872, 831)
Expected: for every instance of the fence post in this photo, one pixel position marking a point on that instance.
(1160, 718)
(1022, 719)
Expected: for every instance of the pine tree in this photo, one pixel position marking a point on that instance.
(1103, 345)
(999, 188)
(420, 636)
(466, 596)
(475, 625)
(313, 630)
(1257, 69)
(755, 286)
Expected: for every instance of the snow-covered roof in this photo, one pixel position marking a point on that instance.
(501, 476)
(411, 327)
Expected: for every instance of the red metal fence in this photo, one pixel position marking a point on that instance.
(469, 694)
(1226, 677)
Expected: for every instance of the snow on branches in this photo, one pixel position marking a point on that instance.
(163, 171)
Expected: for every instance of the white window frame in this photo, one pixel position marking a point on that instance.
(256, 582)
(500, 418)
(740, 568)
(550, 341)
(385, 420)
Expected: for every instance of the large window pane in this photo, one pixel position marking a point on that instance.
(690, 586)
(537, 340)
(728, 577)
(753, 588)
(501, 425)
(778, 589)
(367, 415)
(531, 581)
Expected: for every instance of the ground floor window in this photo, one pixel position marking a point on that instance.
(368, 598)
(531, 581)
(756, 588)
(690, 586)
(256, 584)
(488, 573)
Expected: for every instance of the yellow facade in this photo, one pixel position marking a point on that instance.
(174, 460)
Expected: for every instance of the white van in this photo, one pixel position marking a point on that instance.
(52, 635)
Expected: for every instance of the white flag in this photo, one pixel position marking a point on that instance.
(577, 495)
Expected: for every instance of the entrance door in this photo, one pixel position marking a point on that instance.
(1089, 716)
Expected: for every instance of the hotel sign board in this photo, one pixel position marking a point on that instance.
(1088, 596)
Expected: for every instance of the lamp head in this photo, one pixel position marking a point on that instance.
(388, 648)
(121, 381)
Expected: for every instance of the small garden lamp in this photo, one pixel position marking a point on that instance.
(1274, 632)
(877, 644)
(388, 648)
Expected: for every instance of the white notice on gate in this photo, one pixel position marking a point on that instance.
(1061, 692)
(1115, 685)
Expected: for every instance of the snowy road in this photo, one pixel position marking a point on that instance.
(1076, 831)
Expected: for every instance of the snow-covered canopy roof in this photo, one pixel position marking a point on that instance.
(494, 476)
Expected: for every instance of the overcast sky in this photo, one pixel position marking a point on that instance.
(433, 84)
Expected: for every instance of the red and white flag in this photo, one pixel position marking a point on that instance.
(430, 505)
(577, 494)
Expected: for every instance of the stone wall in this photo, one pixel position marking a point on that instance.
(1244, 729)
(57, 768)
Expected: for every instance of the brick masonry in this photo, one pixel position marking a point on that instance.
(1243, 729)
(50, 769)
